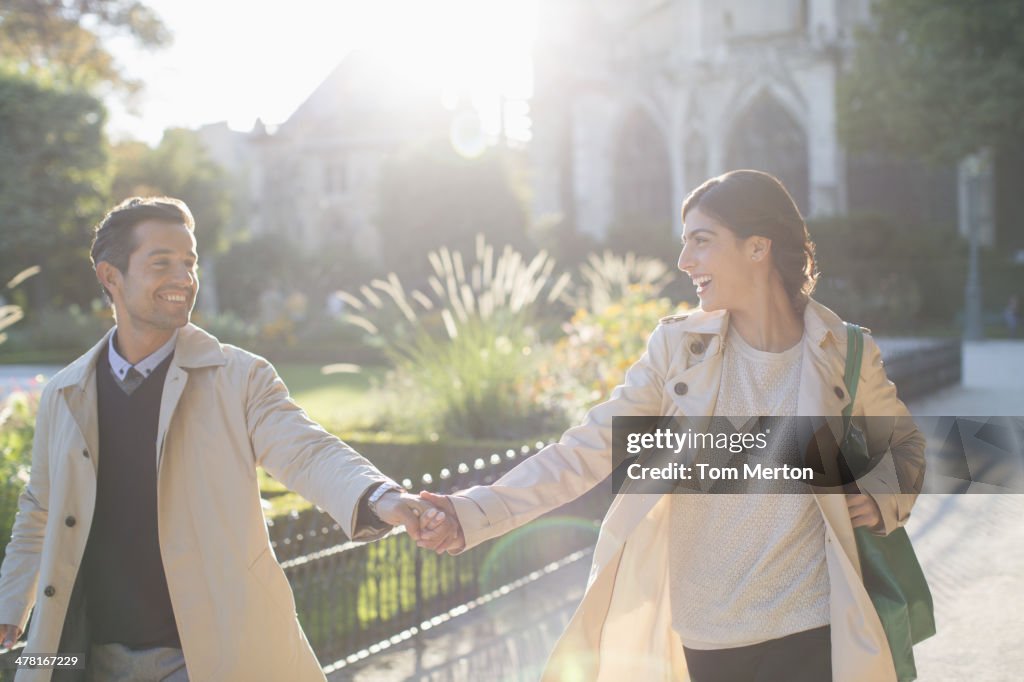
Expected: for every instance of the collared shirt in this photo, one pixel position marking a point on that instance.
(144, 366)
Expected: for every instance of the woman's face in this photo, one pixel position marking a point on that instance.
(721, 265)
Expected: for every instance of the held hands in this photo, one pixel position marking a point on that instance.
(426, 522)
(864, 511)
(449, 538)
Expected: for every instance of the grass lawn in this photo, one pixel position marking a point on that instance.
(340, 402)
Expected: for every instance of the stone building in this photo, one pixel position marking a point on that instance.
(315, 177)
(638, 101)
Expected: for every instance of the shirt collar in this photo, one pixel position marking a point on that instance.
(144, 366)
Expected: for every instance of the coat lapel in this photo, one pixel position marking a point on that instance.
(78, 388)
(195, 349)
(174, 386)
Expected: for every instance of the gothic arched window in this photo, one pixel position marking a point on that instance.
(695, 162)
(767, 138)
(643, 189)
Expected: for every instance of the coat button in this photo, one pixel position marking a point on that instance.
(85, 453)
(70, 522)
(839, 393)
(49, 591)
(681, 388)
(696, 347)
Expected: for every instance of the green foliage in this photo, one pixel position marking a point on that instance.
(461, 347)
(10, 312)
(432, 197)
(938, 79)
(64, 40)
(17, 428)
(70, 331)
(886, 275)
(608, 279)
(253, 266)
(179, 167)
(599, 345)
(466, 386)
(53, 184)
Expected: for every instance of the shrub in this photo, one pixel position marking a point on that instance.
(886, 275)
(617, 306)
(17, 428)
(462, 348)
(68, 332)
(599, 346)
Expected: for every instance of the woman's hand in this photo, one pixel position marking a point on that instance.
(455, 540)
(864, 512)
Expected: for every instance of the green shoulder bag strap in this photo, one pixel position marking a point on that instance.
(892, 575)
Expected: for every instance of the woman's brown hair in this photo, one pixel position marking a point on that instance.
(750, 203)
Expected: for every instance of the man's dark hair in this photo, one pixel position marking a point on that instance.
(114, 241)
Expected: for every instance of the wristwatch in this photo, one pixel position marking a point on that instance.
(379, 493)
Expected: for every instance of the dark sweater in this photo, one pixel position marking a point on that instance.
(125, 585)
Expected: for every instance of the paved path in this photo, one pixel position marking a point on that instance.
(24, 377)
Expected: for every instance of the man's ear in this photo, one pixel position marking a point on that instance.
(109, 277)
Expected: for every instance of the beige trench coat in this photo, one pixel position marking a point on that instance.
(223, 412)
(622, 629)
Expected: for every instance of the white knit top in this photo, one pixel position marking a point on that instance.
(747, 568)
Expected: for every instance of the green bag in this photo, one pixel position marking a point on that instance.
(892, 574)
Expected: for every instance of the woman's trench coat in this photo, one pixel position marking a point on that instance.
(223, 411)
(623, 628)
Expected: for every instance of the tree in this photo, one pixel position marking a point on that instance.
(179, 167)
(64, 38)
(936, 79)
(432, 197)
(54, 180)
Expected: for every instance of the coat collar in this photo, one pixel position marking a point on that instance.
(194, 349)
(820, 324)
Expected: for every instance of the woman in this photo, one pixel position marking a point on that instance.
(725, 587)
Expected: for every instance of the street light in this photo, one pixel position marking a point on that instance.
(975, 214)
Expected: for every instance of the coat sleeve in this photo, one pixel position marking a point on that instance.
(304, 457)
(563, 471)
(896, 480)
(19, 574)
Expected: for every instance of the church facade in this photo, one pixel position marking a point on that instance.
(638, 101)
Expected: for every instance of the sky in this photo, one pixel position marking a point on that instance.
(238, 60)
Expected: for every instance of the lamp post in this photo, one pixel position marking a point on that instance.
(974, 326)
(975, 214)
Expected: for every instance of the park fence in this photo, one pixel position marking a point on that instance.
(350, 596)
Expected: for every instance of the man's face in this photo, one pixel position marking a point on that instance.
(159, 288)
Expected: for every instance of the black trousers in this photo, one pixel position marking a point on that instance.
(800, 657)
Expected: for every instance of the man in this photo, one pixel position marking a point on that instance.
(140, 536)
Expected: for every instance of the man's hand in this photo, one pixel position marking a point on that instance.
(9, 635)
(398, 508)
(864, 511)
(450, 539)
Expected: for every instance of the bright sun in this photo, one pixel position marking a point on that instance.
(273, 56)
(480, 45)
(479, 49)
